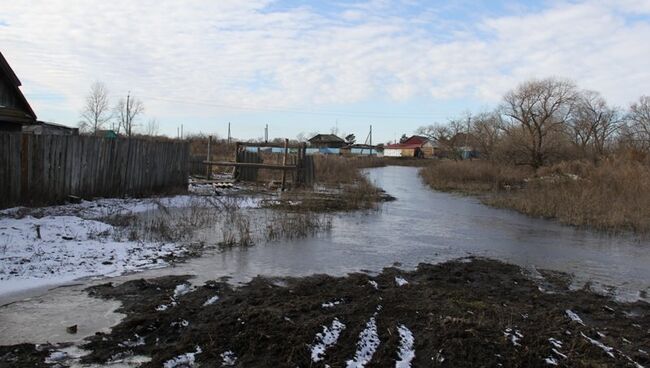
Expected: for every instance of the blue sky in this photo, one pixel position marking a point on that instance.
(305, 67)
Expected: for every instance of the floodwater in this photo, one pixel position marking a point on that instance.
(421, 226)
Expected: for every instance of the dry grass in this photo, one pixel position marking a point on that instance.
(473, 176)
(612, 196)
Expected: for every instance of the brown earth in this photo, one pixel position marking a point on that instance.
(458, 312)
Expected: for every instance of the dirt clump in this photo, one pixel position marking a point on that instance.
(465, 313)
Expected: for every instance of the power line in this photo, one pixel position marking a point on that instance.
(414, 116)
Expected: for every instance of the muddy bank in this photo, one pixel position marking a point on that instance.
(462, 313)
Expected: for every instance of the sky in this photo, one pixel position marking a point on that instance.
(307, 67)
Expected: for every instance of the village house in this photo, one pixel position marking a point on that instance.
(326, 141)
(414, 146)
(15, 111)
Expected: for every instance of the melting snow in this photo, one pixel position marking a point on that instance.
(550, 360)
(181, 289)
(211, 300)
(574, 316)
(56, 356)
(406, 351)
(58, 249)
(185, 360)
(332, 303)
(513, 335)
(374, 284)
(228, 358)
(138, 341)
(400, 281)
(555, 342)
(605, 348)
(367, 344)
(326, 339)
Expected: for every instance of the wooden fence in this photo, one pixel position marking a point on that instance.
(37, 169)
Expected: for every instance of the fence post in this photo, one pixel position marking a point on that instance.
(209, 167)
(284, 163)
(24, 167)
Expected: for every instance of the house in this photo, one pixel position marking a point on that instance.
(15, 111)
(326, 141)
(414, 146)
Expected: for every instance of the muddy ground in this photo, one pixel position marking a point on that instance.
(466, 313)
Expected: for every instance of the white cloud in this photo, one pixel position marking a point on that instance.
(247, 54)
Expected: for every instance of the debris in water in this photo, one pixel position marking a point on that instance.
(406, 351)
(326, 339)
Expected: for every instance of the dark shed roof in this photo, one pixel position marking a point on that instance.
(322, 138)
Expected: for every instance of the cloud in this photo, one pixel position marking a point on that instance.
(256, 54)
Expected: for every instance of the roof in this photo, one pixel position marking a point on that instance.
(403, 146)
(326, 138)
(6, 70)
(416, 139)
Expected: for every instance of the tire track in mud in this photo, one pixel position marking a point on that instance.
(457, 314)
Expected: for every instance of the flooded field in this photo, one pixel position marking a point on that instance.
(420, 226)
(423, 226)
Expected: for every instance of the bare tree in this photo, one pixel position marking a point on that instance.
(593, 123)
(152, 127)
(639, 119)
(537, 112)
(126, 113)
(446, 135)
(486, 128)
(96, 111)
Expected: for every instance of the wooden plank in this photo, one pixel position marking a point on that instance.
(251, 164)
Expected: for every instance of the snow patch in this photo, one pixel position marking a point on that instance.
(137, 341)
(326, 339)
(606, 349)
(574, 316)
(400, 281)
(181, 290)
(57, 249)
(56, 356)
(374, 284)
(513, 335)
(211, 300)
(367, 344)
(185, 360)
(550, 361)
(406, 350)
(228, 358)
(332, 304)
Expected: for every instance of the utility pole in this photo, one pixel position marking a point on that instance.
(228, 132)
(266, 134)
(181, 131)
(370, 139)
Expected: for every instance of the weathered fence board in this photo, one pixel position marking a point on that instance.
(46, 168)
